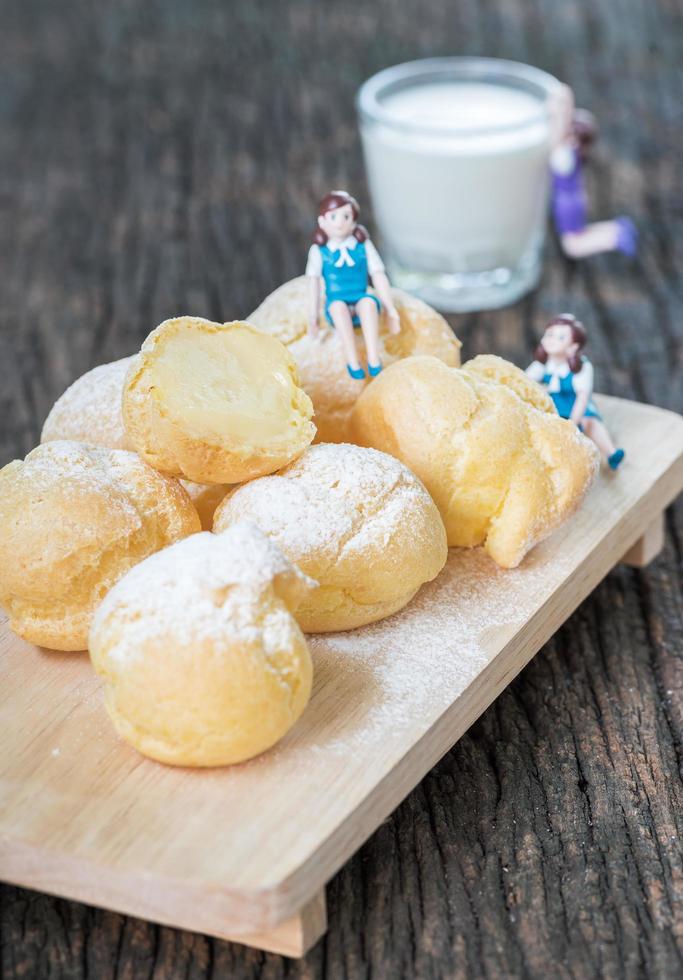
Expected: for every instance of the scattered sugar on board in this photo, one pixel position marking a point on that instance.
(404, 671)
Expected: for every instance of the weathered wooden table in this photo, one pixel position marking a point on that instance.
(165, 157)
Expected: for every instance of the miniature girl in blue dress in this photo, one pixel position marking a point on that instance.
(568, 377)
(343, 256)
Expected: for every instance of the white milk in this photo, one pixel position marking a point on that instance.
(458, 175)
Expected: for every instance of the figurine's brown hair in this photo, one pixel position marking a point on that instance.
(332, 201)
(584, 129)
(579, 337)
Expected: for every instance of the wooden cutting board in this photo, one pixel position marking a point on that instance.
(245, 852)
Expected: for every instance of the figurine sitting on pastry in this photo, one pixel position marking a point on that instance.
(344, 257)
(567, 375)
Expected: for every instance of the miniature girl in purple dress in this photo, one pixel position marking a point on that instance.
(567, 375)
(343, 256)
(577, 131)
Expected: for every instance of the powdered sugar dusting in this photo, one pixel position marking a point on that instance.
(74, 468)
(336, 498)
(400, 674)
(204, 587)
(90, 409)
(75, 472)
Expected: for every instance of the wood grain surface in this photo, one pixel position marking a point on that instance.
(161, 157)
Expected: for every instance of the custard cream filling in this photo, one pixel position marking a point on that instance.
(232, 383)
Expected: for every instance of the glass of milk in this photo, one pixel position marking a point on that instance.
(456, 152)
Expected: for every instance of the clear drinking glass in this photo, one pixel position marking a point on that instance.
(456, 152)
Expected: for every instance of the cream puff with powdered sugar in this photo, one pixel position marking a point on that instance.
(74, 519)
(202, 659)
(354, 519)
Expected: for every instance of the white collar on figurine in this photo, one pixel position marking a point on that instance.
(343, 246)
(556, 372)
(559, 369)
(349, 242)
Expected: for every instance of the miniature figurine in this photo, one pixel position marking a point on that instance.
(344, 257)
(567, 374)
(576, 131)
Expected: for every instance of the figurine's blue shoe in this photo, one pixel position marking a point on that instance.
(356, 373)
(627, 237)
(374, 369)
(615, 459)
